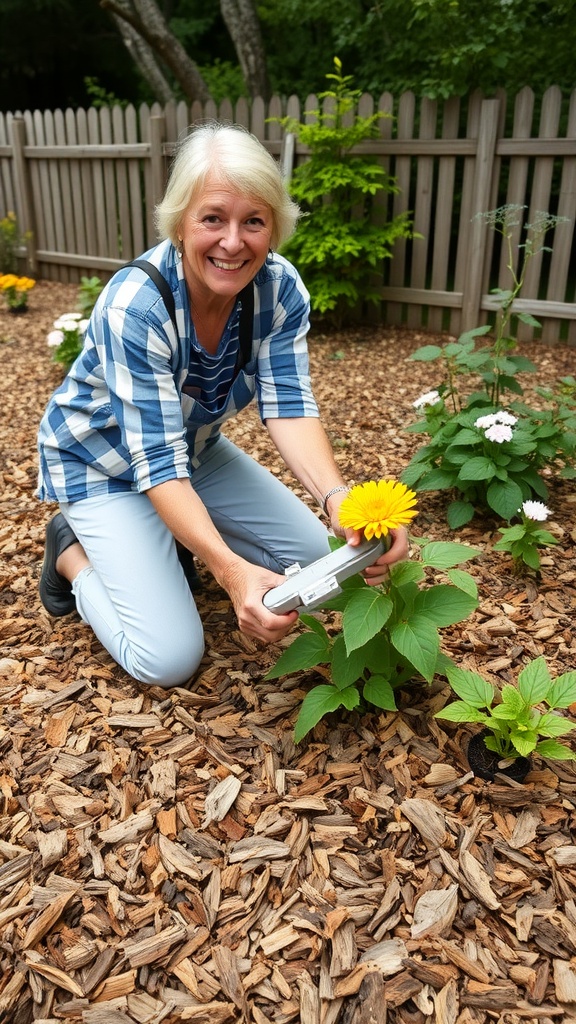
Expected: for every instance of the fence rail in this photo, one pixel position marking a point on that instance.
(84, 185)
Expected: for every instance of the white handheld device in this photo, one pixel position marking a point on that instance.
(311, 587)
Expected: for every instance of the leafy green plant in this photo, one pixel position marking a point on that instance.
(389, 635)
(491, 456)
(515, 719)
(523, 539)
(90, 288)
(11, 239)
(336, 245)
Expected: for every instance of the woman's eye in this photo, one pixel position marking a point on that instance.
(211, 218)
(255, 221)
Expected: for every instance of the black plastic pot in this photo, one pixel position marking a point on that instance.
(484, 762)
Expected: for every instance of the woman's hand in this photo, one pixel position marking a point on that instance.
(247, 584)
(397, 552)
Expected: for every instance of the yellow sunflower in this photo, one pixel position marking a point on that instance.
(377, 507)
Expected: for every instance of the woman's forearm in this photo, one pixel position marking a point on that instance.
(187, 518)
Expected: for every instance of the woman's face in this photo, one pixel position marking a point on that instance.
(225, 240)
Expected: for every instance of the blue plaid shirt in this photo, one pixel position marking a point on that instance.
(141, 404)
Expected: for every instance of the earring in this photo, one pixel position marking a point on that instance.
(179, 249)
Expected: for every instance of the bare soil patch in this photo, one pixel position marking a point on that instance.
(173, 856)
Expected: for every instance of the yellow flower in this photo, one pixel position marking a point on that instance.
(377, 507)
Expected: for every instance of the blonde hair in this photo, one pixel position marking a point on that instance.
(241, 161)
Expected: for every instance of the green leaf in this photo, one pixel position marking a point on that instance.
(554, 725)
(562, 693)
(319, 702)
(444, 605)
(555, 751)
(459, 513)
(478, 468)
(513, 699)
(527, 318)
(406, 572)
(311, 622)
(464, 581)
(379, 692)
(436, 480)
(504, 498)
(524, 742)
(443, 663)
(460, 711)
(346, 668)
(534, 681)
(365, 614)
(418, 642)
(471, 687)
(427, 353)
(446, 554)
(305, 651)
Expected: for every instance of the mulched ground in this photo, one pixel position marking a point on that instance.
(173, 856)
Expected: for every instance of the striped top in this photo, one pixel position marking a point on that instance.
(141, 404)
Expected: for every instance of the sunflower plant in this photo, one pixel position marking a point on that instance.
(390, 632)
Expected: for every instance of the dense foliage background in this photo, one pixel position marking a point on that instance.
(59, 53)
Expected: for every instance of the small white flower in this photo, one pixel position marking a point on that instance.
(535, 510)
(67, 316)
(83, 326)
(506, 417)
(55, 338)
(483, 422)
(428, 398)
(499, 432)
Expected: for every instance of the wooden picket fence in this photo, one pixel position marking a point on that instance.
(84, 183)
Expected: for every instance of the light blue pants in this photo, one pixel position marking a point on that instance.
(134, 594)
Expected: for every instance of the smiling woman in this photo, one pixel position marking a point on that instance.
(131, 444)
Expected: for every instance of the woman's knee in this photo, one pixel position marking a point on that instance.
(171, 665)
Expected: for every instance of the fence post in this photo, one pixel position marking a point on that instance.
(23, 190)
(481, 192)
(157, 167)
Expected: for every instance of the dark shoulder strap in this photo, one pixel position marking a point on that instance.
(161, 284)
(246, 326)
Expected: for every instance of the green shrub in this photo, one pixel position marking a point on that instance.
(336, 245)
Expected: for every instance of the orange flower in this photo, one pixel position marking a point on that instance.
(377, 507)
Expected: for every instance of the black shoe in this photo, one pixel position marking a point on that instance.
(186, 559)
(55, 590)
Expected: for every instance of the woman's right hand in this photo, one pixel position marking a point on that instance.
(247, 584)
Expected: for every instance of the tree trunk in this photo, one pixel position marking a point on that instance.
(144, 59)
(242, 22)
(146, 19)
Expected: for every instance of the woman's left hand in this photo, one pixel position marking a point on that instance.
(397, 552)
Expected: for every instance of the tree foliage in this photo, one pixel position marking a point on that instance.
(437, 48)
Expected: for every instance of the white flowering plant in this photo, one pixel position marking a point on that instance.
(67, 337)
(523, 539)
(487, 447)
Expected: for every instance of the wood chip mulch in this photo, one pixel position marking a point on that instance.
(172, 856)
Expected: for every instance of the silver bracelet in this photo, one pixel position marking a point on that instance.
(341, 487)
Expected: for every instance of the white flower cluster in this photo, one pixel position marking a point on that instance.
(497, 426)
(66, 323)
(428, 398)
(536, 510)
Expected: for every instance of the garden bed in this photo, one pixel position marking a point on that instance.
(172, 856)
